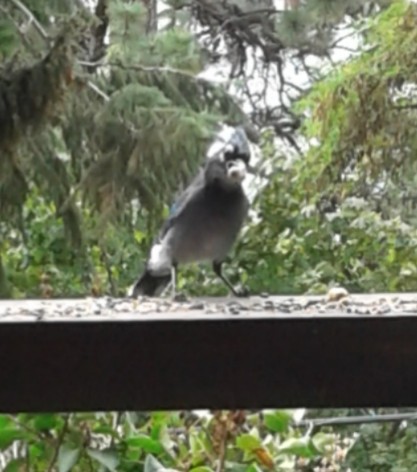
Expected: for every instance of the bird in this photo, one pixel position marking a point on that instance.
(204, 221)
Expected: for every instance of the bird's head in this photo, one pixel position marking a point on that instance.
(233, 157)
(235, 164)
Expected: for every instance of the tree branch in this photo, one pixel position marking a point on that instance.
(25, 41)
(98, 91)
(98, 33)
(24, 9)
(59, 442)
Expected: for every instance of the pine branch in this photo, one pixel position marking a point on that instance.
(158, 69)
(98, 48)
(22, 36)
(23, 8)
(4, 287)
(47, 77)
(199, 81)
(98, 91)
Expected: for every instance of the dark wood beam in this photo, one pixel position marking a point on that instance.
(183, 361)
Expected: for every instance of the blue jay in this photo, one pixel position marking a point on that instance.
(204, 221)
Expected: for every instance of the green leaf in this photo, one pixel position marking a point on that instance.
(45, 421)
(165, 439)
(201, 469)
(10, 434)
(278, 420)
(197, 448)
(5, 421)
(67, 457)
(152, 464)
(106, 457)
(254, 468)
(160, 416)
(8, 37)
(37, 450)
(16, 465)
(146, 443)
(301, 447)
(105, 429)
(321, 440)
(247, 442)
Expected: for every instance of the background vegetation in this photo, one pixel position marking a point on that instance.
(106, 109)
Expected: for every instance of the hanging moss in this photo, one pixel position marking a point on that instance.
(28, 94)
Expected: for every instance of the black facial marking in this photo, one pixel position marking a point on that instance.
(233, 155)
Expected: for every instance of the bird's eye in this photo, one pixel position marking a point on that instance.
(230, 164)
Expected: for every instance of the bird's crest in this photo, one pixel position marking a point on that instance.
(230, 143)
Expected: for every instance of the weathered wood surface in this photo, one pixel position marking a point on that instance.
(201, 355)
(103, 308)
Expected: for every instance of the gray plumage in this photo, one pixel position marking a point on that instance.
(205, 220)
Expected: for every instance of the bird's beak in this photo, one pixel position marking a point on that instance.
(236, 170)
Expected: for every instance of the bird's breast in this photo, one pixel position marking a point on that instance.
(208, 235)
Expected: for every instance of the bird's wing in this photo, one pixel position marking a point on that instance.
(159, 259)
(178, 207)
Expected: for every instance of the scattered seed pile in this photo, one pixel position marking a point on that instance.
(336, 302)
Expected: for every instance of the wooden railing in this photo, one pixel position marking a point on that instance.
(187, 360)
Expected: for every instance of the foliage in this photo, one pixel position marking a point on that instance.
(378, 447)
(27, 96)
(45, 264)
(345, 213)
(388, 448)
(165, 441)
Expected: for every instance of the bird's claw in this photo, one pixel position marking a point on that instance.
(180, 297)
(241, 291)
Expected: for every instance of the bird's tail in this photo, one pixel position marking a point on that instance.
(150, 285)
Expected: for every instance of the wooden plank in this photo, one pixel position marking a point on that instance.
(189, 360)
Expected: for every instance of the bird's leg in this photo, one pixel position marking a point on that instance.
(176, 296)
(217, 268)
(173, 280)
(172, 284)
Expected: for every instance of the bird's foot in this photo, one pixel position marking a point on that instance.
(180, 297)
(241, 291)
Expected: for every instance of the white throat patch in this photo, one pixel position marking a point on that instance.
(236, 170)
